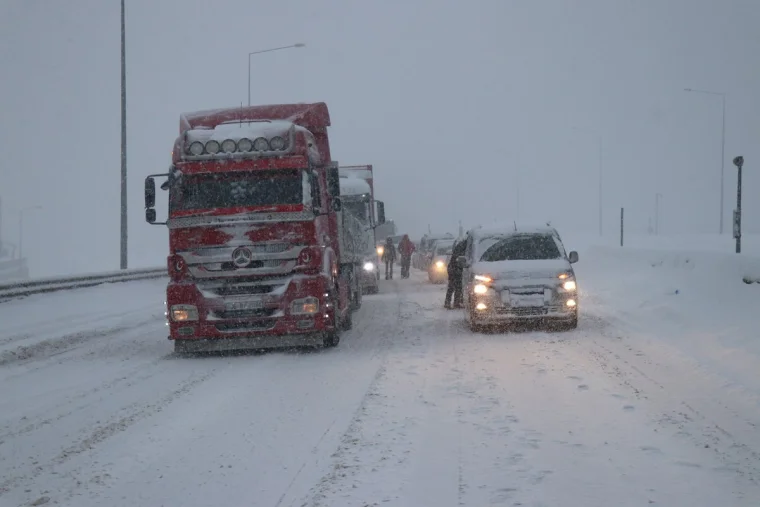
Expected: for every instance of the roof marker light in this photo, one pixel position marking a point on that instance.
(261, 144)
(229, 146)
(277, 143)
(245, 144)
(212, 147)
(195, 148)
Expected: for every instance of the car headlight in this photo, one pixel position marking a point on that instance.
(569, 285)
(480, 289)
(482, 278)
(184, 313)
(380, 250)
(439, 264)
(369, 266)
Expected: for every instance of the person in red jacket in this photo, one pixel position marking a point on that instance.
(405, 249)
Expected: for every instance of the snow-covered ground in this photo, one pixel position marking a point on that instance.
(653, 400)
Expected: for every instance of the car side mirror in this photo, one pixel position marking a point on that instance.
(462, 261)
(573, 257)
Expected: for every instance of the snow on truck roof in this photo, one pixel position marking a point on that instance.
(353, 186)
(313, 116)
(245, 130)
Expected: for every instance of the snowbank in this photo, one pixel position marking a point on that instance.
(693, 300)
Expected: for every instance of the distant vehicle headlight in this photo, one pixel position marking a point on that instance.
(369, 266)
(480, 289)
(569, 285)
(439, 264)
(380, 250)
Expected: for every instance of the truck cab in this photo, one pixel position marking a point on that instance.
(256, 254)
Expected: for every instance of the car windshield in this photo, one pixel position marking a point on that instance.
(522, 247)
(229, 190)
(444, 249)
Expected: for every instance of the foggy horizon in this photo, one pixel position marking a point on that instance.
(458, 110)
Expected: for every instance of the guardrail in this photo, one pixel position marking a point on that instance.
(27, 288)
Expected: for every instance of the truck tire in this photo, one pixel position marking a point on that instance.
(332, 338)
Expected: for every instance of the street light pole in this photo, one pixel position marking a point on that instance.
(21, 227)
(297, 45)
(123, 246)
(722, 148)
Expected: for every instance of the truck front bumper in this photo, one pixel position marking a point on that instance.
(204, 320)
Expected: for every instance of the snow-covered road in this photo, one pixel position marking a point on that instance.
(412, 409)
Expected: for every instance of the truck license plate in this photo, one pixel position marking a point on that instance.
(238, 306)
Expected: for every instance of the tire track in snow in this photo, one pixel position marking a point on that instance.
(103, 432)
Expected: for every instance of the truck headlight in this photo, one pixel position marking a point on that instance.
(569, 285)
(184, 313)
(305, 306)
(369, 266)
(480, 289)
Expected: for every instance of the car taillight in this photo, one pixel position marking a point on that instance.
(177, 267)
(310, 257)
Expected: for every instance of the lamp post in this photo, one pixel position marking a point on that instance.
(123, 246)
(739, 163)
(21, 227)
(599, 143)
(297, 45)
(722, 95)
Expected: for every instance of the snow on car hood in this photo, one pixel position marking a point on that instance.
(548, 268)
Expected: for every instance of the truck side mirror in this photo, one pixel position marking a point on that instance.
(380, 212)
(150, 215)
(573, 257)
(333, 181)
(150, 193)
(337, 205)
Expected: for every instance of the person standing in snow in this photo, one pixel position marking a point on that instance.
(405, 249)
(455, 276)
(389, 257)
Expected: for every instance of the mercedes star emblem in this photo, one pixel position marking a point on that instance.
(241, 257)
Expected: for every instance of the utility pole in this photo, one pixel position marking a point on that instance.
(600, 186)
(123, 247)
(738, 162)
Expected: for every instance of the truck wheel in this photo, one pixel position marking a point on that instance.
(348, 322)
(332, 338)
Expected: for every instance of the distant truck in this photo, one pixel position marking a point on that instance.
(260, 251)
(358, 197)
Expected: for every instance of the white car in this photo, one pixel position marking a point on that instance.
(514, 273)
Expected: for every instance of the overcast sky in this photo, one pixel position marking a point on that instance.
(460, 107)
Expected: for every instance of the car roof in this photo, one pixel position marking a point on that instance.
(513, 229)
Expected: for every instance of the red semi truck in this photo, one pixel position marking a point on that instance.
(260, 253)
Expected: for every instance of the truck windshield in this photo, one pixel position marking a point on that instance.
(229, 190)
(522, 247)
(356, 208)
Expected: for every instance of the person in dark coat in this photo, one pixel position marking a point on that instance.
(455, 276)
(389, 257)
(405, 249)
